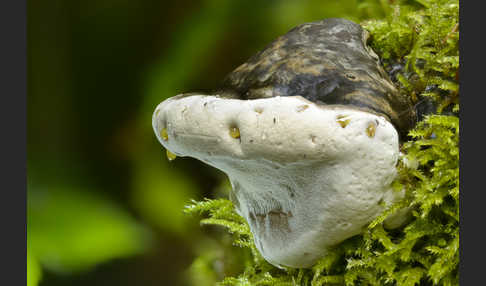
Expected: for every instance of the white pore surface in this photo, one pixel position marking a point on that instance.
(302, 181)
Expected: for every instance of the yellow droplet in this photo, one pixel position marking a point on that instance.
(302, 107)
(171, 156)
(344, 123)
(234, 132)
(370, 130)
(340, 119)
(164, 134)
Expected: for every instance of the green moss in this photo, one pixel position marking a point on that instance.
(423, 39)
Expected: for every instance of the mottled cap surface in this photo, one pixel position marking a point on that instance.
(326, 62)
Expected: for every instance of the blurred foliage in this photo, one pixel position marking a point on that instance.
(422, 41)
(33, 269)
(73, 230)
(159, 195)
(104, 206)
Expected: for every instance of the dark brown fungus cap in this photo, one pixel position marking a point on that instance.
(328, 63)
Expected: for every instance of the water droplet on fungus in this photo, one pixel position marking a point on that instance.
(370, 130)
(343, 122)
(234, 132)
(171, 156)
(164, 134)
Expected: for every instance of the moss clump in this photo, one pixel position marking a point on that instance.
(419, 49)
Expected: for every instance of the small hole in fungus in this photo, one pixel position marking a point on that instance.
(184, 110)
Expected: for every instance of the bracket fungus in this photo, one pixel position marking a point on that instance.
(307, 131)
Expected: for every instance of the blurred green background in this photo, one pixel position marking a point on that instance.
(105, 207)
